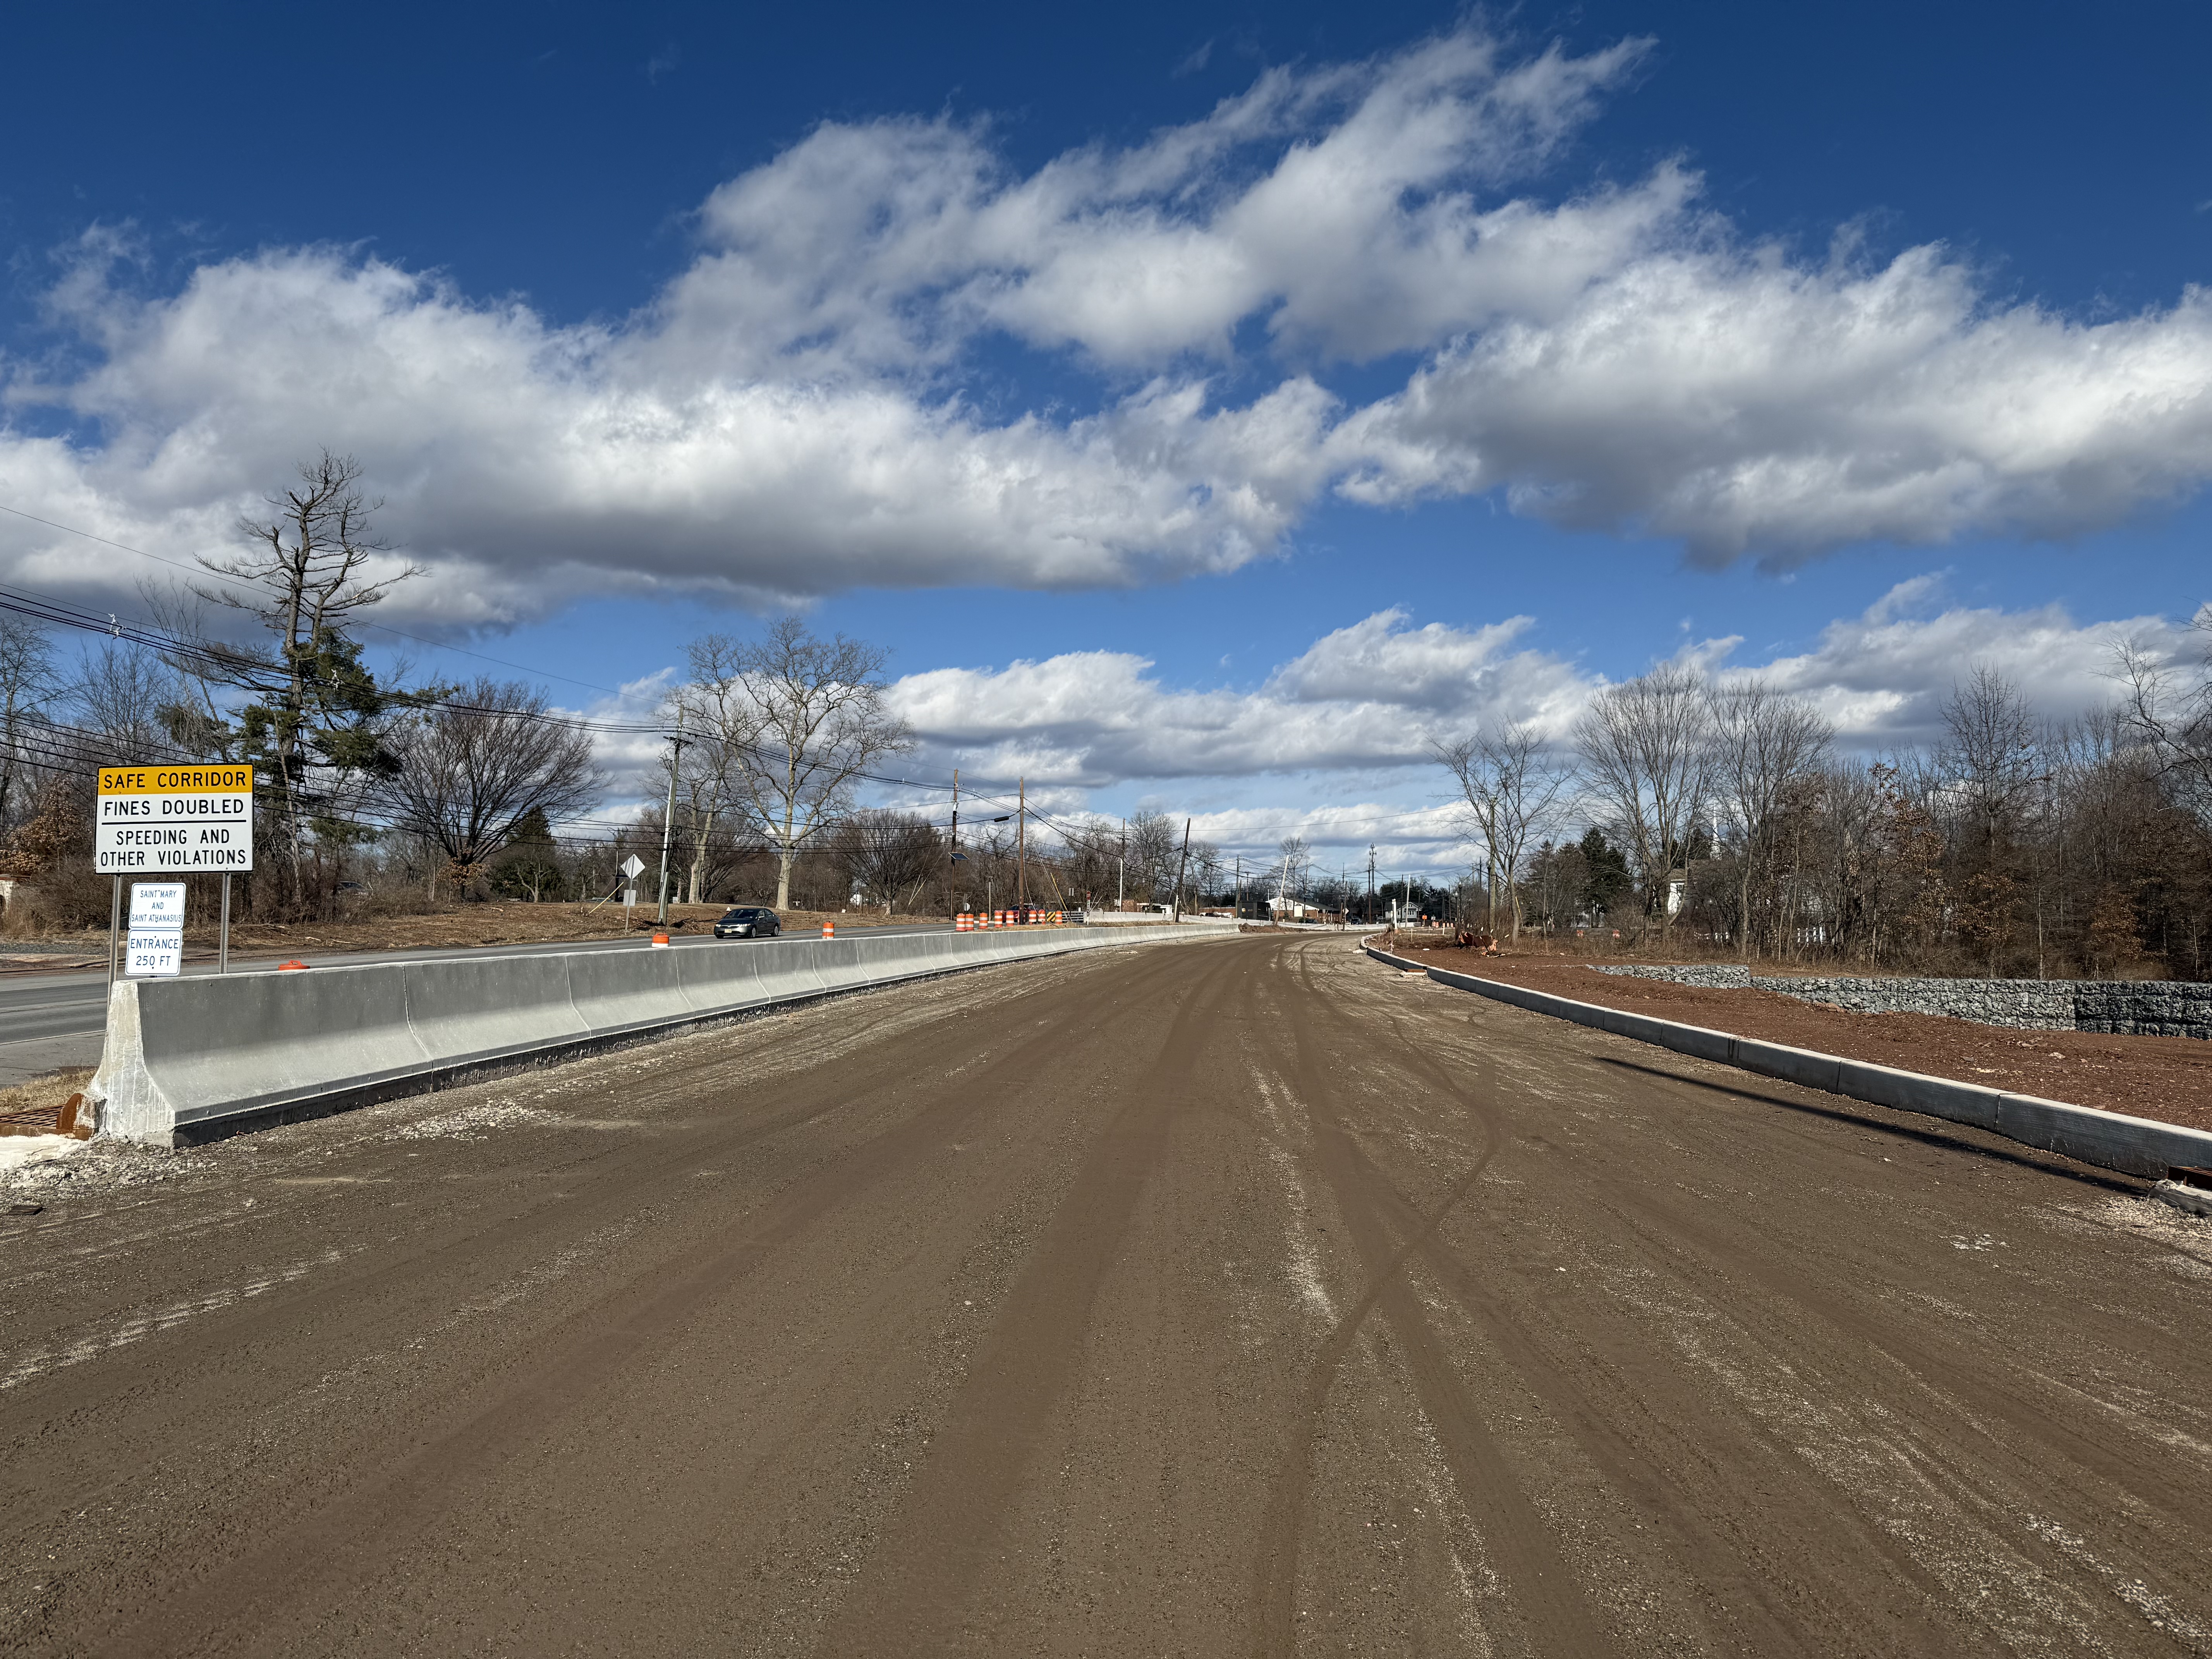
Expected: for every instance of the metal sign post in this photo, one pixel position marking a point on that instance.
(632, 867)
(172, 821)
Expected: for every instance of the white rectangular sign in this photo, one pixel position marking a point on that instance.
(170, 820)
(157, 907)
(153, 956)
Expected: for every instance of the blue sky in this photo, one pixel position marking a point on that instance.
(1207, 405)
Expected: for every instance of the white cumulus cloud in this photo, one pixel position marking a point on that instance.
(835, 392)
(1354, 715)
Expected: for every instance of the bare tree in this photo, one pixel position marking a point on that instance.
(1290, 872)
(116, 700)
(1151, 854)
(28, 683)
(1764, 741)
(722, 724)
(2172, 718)
(888, 855)
(1513, 794)
(800, 719)
(473, 768)
(1204, 870)
(1646, 750)
(1989, 754)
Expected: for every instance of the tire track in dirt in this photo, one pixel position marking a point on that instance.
(1514, 1534)
(1977, 1431)
(913, 1596)
(1754, 1590)
(615, 1181)
(456, 1439)
(1972, 1426)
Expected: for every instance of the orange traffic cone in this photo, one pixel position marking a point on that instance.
(829, 930)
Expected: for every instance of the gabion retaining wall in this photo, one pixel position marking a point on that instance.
(2124, 1007)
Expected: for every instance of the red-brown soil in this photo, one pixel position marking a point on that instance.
(500, 922)
(2168, 1079)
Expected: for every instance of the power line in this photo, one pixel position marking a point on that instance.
(239, 663)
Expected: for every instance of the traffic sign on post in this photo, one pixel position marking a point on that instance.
(155, 947)
(171, 820)
(174, 820)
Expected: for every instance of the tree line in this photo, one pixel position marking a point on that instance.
(1722, 813)
(405, 791)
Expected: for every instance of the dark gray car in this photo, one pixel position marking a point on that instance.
(749, 921)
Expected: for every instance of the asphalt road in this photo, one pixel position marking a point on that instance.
(1234, 1296)
(49, 1021)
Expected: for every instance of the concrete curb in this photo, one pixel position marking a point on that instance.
(2109, 1140)
(194, 1059)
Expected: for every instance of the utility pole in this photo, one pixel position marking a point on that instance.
(1121, 860)
(1240, 887)
(1175, 914)
(1021, 843)
(1371, 883)
(952, 861)
(668, 818)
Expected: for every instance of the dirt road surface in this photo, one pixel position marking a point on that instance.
(1239, 1297)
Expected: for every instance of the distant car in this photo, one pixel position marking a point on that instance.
(749, 921)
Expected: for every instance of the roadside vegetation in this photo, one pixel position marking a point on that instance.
(1701, 818)
(394, 806)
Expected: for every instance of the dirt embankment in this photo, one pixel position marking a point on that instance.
(499, 922)
(2168, 1079)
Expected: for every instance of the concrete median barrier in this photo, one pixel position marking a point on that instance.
(2109, 1140)
(189, 1059)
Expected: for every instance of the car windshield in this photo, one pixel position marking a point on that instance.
(745, 916)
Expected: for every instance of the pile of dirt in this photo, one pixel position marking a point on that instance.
(2167, 1079)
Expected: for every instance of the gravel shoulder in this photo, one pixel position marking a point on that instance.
(1239, 1296)
(2166, 1078)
